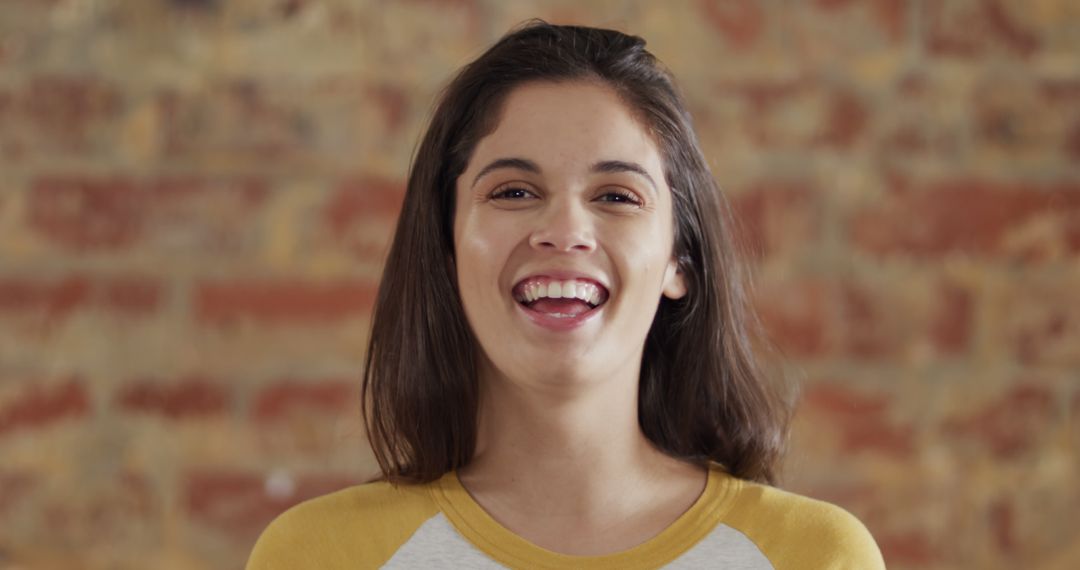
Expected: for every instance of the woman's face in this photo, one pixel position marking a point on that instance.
(563, 236)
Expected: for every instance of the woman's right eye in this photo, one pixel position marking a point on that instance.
(511, 193)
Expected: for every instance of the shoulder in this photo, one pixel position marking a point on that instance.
(357, 527)
(794, 531)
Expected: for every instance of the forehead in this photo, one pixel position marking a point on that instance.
(568, 125)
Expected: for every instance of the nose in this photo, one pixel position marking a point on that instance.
(565, 226)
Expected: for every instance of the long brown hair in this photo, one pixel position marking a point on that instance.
(702, 395)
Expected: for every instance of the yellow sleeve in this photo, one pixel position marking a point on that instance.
(358, 527)
(796, 532)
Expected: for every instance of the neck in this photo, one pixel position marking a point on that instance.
(566, 449)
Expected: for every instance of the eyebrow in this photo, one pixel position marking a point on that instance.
(516, 163)
(604, 166)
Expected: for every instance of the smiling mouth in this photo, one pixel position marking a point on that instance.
(564, 299)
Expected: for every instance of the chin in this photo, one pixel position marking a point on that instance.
(561, 369)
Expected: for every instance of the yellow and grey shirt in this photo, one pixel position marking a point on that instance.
(735, 524)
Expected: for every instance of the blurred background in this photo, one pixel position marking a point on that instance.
(196, 197)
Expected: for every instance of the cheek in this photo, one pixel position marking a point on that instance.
(644, 253)
(481, 247)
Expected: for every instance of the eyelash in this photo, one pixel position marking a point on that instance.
(624, 196)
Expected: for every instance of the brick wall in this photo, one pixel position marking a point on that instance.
(196, 196)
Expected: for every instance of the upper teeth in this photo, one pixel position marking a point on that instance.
(572, 289)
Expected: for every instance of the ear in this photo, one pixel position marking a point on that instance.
(674, 283)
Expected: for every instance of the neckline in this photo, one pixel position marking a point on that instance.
(499, 542)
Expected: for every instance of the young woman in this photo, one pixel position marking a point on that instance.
(561, 371)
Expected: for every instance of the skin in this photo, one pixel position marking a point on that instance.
(561, 459)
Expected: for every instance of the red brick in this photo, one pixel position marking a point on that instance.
(1014, 115)
(1006, 28)
(865, 336)
(845, 120)
(472, 11)
(910, 549)
(87, 213)
(795, 316)
(842, 401)
(750, 213)
(913, 83)
(912, 127)
(15, 487)
(394, 103)
(867, 25)
(324, 397)
(291, 301)
(1033, 340)
(272, 127)
(1072, 236)
(108, 505)
(763, 94)
(952, 327)
(56, 298)
(173, 193)
(237, 118)
(912, 139)
(239, 504)
(1065, 90)
(128, 500)
(110, 213)
(764, 99)
(38, 405)
(877, 323)
(137, 488)
(189, 397)
(1008, 425)
(1042, 322)
(740, 22)
(131, 295)
(64, 107)
(861, 419)
(361, 200)
(359, 217)
(969, 216)
(840, 118)
(1074, 413)
(1072, 142)
(53, 298)
(776, 215)
(893, 16)
(879, 437)
(998, 122)
(290, 8)
(975, 27)
(890, 12)
(1003, 525)
(832, 4)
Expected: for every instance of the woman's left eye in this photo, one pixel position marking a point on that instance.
(619, 197)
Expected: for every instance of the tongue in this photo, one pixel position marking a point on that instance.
(573, 307)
